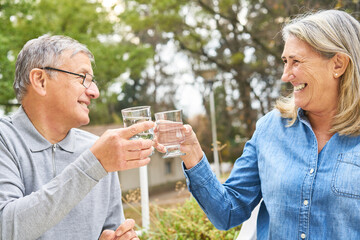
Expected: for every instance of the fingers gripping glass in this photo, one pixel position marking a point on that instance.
(87, 79)
(170, 132)
(135, 115)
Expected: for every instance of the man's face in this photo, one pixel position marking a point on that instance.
(68, 98)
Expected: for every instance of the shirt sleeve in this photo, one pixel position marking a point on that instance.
(227, 205)
(116, 213)
(30, 216)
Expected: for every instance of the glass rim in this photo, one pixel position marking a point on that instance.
(170, 111)
(138, 108)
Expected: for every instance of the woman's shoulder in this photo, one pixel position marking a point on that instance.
(272, 121)
(269, 118)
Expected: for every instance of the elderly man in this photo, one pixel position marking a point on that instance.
(56, 181)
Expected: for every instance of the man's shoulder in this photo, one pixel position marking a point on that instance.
(10, 136)
(82, 134)
(6, 125)
(5, 119)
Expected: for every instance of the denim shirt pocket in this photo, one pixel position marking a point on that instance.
(346, 175)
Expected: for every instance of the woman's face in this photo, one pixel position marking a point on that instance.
(312, 76)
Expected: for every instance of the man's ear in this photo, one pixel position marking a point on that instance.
(38, 80)
(341, 61)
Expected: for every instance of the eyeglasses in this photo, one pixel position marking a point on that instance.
(87, 79)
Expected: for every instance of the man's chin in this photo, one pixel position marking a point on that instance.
(84, 122)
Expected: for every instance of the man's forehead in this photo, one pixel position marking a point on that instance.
(71, 53)
(79, 60)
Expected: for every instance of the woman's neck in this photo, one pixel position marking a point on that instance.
(321, 124)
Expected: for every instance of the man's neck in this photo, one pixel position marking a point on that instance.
(48, 126)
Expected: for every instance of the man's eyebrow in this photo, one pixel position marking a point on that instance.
(84, 70)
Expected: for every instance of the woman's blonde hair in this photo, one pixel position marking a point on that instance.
(330, 32)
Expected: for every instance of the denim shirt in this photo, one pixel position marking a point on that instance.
(306, 194)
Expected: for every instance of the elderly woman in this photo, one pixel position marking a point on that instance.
(303, 160)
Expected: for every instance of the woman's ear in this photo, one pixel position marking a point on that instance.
(38, 80)
(341, 61)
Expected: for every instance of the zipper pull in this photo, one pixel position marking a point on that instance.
(53, 160)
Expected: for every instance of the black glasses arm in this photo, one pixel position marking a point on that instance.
(59, 70)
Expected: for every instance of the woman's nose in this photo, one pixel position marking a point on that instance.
(287, 75)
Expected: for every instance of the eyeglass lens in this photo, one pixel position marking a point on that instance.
(87, 80)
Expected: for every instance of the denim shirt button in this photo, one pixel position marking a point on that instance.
(306, 202)
(312, 171)
(303, 236)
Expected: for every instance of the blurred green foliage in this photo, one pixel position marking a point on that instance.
(86, 21)
(239, 38)
(185, 222)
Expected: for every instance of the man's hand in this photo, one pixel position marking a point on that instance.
(117, 152)
(124, 232)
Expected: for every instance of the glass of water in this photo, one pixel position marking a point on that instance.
(137, 115)
(169, 132)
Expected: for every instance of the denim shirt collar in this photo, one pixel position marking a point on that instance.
(301, 116)
(34, 139)
(301, 113)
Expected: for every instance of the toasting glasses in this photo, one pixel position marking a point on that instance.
(136, 115)
(169, 132)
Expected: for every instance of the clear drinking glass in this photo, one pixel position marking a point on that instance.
(136, 115)
(169, 132)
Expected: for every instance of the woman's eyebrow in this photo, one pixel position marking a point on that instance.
(292, 56)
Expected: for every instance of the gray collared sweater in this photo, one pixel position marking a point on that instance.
(53, 191)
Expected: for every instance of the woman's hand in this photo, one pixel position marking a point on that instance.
(191, 147)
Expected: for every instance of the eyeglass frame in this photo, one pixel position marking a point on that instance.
(76, 74)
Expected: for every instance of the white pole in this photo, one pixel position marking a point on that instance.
(213, 130)
(144, 188)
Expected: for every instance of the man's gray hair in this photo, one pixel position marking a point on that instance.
(44, 51)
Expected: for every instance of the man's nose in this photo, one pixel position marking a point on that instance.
(93, 91)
